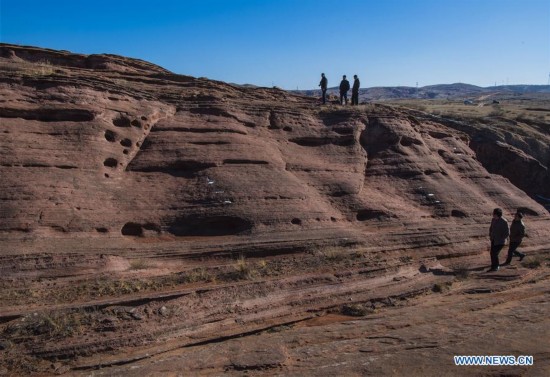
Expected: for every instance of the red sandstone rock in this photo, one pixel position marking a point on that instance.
(127, 189)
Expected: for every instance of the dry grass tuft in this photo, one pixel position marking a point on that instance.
(534, 262)
(442, 287)
(139, 264)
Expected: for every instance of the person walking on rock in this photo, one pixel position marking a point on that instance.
(323, 84)
(344, 87)
(355, 91)
(498, 233)
(517, 232)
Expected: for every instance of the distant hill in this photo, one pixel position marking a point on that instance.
(441, 91)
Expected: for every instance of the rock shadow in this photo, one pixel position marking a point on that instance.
(209, 226)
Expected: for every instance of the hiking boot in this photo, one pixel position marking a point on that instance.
(521, 257)
(505, 263)
(493, 270)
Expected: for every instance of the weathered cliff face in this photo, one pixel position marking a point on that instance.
(106, 161)
(120, 147)
(518, 149)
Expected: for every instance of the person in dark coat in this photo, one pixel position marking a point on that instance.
(355, 91)
(344, 87)
(517, 232)
(498, 233)
(323, 84)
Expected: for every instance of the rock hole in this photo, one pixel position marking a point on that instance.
(320, 141)
(187, 169)
(528, 211)
(458, 213)
(371, 214)
(121, 121)
(407, 141)
(125, 151)
(151, 230)
(49, 115)
(126, 143)
(143, 118)
(136, 123)
(102, 230)
(209, 226)
(296, 221)
(132, 229)
(333, 219)
(344, 130)
(110, 136)
(106, 175)
(287, 128)
(438, 135)
(110, 162)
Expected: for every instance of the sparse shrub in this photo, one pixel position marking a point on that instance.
(497, 112)
(40, 68)
(198, 275)
(333, 254)
(521, 117)
(18, 363)
(279, 328)
(462, 273)
(139, 264)
(420, 107)
(54, 324)
(442, 287)
(535, 262)
(243, 269)
(356, 310)
(121, 83)
(460, 270)
(358, 253)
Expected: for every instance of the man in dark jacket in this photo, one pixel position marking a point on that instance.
(517, 232)
(344, 87)
(498, 233)
(355, 91)
(323, 84)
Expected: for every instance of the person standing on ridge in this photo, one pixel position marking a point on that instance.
(344, 87)
(498, 233)
(323, 84)
(355, 91)
(517, 232)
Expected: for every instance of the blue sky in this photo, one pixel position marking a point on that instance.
(288, 43)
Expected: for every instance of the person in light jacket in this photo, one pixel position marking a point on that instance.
(498, 233)
(517, 232)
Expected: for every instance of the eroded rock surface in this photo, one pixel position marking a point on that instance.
(148, 217)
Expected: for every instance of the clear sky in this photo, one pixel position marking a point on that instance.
(288, 43)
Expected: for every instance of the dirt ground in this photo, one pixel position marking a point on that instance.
(336, 311)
